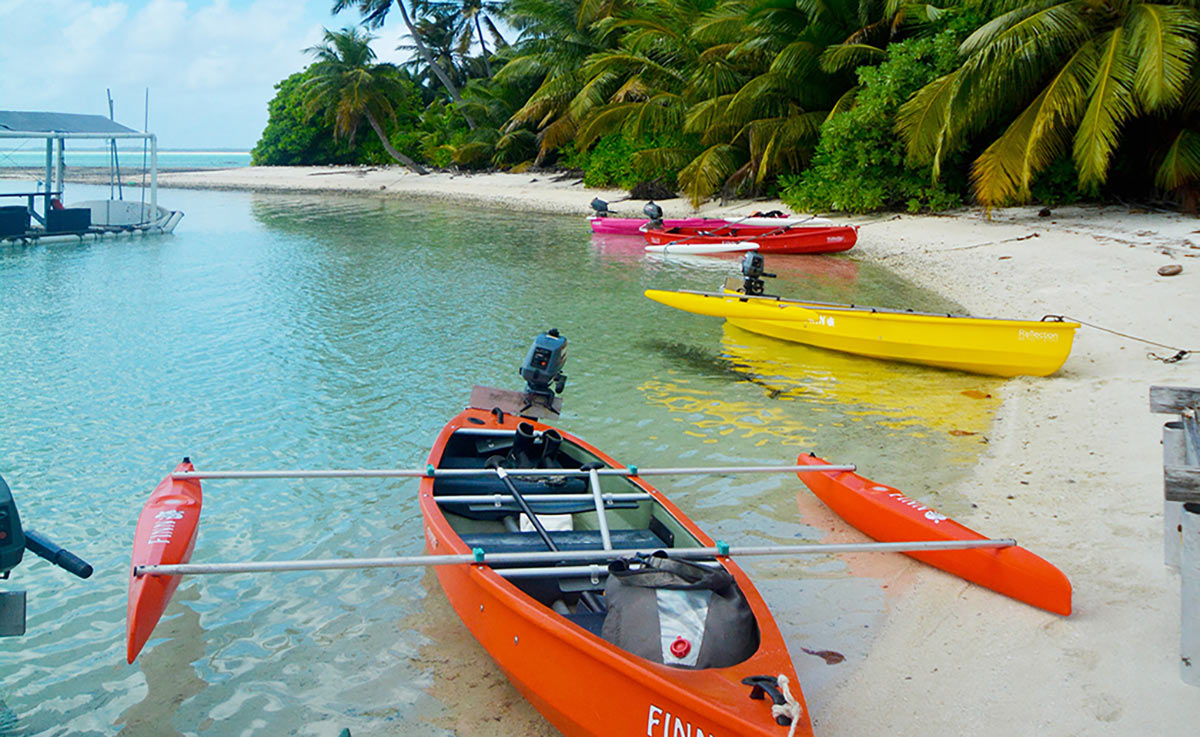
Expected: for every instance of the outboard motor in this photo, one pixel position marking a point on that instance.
(14, 541)
(655, 213)
(752, 270)
(601, 207)
(542, 369)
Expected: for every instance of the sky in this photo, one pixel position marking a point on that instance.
(210, 65)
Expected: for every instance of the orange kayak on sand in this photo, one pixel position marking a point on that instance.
(166, 533)
(543, 625)
(887, 515)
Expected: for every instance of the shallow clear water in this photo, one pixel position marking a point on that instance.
(286, 331)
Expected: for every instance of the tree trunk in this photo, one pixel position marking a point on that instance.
(441, 74)
(487, 65)
(387, 146)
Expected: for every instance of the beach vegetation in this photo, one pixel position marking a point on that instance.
(292, 137)
(847, 105)
(1045, 79)
(859, 164)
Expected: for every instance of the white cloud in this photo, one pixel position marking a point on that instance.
(211, 65)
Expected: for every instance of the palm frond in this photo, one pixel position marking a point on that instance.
(1111, 104)
(1163, 39)
(1181, 165)
(663, 158)
(922, 120)
(606, 120)
(843, 103)
(848, 57)
(1039, 135)
(705, 174)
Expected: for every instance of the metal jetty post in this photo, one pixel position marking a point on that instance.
(1181, 488)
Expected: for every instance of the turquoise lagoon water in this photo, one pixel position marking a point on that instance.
(32, 153)
(285, 331)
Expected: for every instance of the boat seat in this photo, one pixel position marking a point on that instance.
(457, 485)
(487, 487)
(531, 542)
(591, 621)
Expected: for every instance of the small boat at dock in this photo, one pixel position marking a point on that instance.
(40, 214)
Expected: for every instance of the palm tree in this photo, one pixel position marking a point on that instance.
(346, 86)
(468, 18)
(440, 37)
(556, 36)
(374, 12)
(1076, 73)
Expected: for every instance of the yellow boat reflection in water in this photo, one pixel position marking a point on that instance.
(815, 394)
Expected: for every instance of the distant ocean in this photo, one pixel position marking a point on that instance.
(130, 158)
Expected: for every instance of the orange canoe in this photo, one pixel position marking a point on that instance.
(887, 515)
(166, 533)
(540, 629)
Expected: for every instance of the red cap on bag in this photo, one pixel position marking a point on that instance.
(681, 647)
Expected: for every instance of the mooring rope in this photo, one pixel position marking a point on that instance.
(790, 708)
(1180, 353)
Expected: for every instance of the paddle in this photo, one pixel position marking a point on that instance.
(593, 602)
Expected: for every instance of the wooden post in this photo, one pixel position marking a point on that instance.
(1181, 513)
(1174, 454)
(1189, 660)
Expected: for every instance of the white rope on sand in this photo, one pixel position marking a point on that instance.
(791, 708)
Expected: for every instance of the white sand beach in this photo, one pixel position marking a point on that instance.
(1072, 467)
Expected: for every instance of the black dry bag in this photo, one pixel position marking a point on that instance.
(678, 613)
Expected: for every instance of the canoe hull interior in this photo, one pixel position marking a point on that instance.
(582, 684)
(977, 345)
(887, 515)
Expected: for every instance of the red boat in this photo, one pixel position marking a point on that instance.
(786, 239)
(887, 515)
(166, 533)
(543, 625)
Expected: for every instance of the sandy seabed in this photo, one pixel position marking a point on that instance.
(1073, 468)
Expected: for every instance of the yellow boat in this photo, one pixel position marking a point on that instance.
(980, 345)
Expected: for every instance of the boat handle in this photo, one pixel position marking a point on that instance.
(768, 685)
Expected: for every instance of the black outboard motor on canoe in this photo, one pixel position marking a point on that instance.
(655, 213)
(14, 541)
(542, 369)
(678, 613)
(544, 378)
(752, 270)
(601, 207)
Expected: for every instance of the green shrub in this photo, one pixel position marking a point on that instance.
(290, 138)
(859, 163)
(613, 160)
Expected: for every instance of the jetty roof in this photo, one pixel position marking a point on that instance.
(16, 122)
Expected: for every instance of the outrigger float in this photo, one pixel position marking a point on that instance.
(571, 569)
(88, 220)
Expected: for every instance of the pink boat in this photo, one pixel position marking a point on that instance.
(632, 226)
